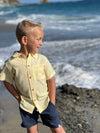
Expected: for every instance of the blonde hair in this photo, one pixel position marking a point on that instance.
(24, 28)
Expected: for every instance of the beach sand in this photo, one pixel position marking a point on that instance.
(10, 118)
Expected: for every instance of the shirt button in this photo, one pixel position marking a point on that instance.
(30, 77)
(32, 89)
(28, 65)
(34, 100)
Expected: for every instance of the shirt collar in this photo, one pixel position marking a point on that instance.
(17, 54)
(34, 55)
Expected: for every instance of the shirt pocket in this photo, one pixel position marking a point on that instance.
(38, 72)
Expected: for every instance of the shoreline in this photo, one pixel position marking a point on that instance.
(79, 111)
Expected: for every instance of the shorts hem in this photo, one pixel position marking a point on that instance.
(50, 126)
(28, 126)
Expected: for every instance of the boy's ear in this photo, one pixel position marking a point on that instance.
(24, 40)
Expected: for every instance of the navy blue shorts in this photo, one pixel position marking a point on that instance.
(49, 117)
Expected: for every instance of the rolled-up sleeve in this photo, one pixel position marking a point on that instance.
(49, 71)
(6, 73)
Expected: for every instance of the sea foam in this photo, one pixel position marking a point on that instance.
(75, 62)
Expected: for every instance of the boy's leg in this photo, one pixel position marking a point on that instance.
(32, 129)
(51, 119)
(58, 130)
(29, 121)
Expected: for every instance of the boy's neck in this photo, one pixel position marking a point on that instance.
(24, 51)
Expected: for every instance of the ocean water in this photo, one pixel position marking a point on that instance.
(71, 41)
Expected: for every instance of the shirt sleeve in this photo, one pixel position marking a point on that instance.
(49, 71)
(6, 73)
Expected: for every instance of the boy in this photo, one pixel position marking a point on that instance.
(29, 77)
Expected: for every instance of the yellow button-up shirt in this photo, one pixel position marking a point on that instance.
(29, 76)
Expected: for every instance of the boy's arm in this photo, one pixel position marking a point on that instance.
(12, 90)
(52, 89)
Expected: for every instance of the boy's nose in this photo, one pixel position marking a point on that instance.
(41, 43)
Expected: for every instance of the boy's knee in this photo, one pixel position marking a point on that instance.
(32, 129)
(58, 130)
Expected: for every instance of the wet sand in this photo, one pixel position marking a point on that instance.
(80, 107)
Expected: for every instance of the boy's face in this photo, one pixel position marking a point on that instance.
(34, 40)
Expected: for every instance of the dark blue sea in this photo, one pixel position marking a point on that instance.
(71, 41)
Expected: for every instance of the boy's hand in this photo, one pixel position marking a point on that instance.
(52, 89)
(18, 99)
